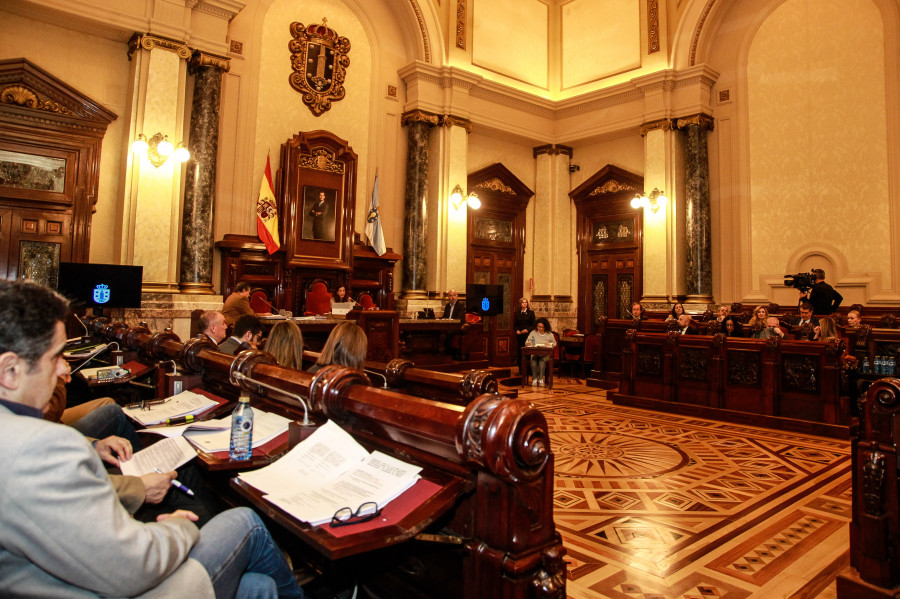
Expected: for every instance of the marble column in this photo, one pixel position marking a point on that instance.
(200, 183)
(697, 229)
(418, 124)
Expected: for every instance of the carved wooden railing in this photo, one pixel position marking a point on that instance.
(501, 446)
(875, 528)
(788, 380)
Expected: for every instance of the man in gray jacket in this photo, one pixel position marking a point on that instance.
(64, 532)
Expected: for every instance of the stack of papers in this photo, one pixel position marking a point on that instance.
(186, 403)
(215, 435)
(165, 456)
(329, 471)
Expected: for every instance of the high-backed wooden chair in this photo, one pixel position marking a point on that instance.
(365, 300)
(318, 298)
(570, 354)
(259, 301)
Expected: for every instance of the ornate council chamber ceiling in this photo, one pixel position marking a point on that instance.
(661, 506)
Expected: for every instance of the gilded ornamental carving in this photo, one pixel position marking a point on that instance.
(319, 59)
(20, 95)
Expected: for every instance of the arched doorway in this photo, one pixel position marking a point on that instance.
(609, 244)
(496, 249)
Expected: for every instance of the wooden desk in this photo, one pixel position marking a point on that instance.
(415, 518)
(423, 341)
(492, 518)
(527, 352)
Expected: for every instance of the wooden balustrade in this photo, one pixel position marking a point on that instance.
(795, 385)
(874, 570)
(493, 518)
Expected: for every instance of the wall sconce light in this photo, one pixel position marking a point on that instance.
(456, 198)
(654, 201)
(159, 148)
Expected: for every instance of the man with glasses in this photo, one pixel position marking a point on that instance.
(65, 533)
(247, 333)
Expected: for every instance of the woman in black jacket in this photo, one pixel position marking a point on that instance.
(523, 324)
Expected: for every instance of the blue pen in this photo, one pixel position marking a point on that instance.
(178, 485)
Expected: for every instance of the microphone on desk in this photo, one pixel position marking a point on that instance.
(367, 371)
(96, 353)
(238, 377)
(83, 326)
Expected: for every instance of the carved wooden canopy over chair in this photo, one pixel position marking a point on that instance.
(318, 298)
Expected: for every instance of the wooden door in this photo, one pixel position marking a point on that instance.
(609, 242)
(498, 268)
(496, 251)
(609, 283)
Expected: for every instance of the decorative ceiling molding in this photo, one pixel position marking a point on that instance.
(461, 24)
(653, 26)
(422, 30)
(698, 29)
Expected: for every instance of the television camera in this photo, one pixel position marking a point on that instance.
(803, 281)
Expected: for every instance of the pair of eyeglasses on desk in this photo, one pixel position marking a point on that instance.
(346, 516)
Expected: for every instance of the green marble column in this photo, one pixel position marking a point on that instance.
(697, 227)
(418, 124)
(200, 183)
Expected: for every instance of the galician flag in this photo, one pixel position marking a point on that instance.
(267, 212)
(373, 223)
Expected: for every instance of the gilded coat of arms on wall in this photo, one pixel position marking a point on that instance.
(319, 60)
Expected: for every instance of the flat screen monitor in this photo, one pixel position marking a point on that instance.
(486, 300)
(101, 285)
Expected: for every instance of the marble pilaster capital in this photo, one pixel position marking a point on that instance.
(662, 124)
(552, 150)
(147, 41)
(203, 59)
(448, 120)
(702, 119)
(419, 116)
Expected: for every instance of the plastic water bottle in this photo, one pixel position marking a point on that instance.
(241, 430)
(877, 368)
(891, 365)
(865, 365)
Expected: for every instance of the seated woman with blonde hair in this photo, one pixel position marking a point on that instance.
(757, 320)
(346, 346)
(826, 329)
(285, 343)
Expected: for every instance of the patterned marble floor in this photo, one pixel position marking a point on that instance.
(660, 506)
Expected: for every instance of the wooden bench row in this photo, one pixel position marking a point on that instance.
(772, 383)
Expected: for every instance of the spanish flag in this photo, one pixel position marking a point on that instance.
(267, 212)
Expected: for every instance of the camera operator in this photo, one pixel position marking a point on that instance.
(824, 299)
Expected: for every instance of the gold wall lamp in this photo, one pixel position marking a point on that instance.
(654, 201)
(158, 149)
(457, 199)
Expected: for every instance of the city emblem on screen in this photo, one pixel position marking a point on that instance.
(101, 293)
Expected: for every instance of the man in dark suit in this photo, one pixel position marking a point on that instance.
(457, 311)
(822, 296)
(523, 324)
(247, 333)
(686, 325)
(806, 316)
(212, 326)
(454, 309)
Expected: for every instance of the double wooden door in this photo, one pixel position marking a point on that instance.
(609, 242)
(498, 267)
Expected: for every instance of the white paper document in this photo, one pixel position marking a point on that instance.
(266, 426)
(165, 455)
(185, 403)
(328, 471)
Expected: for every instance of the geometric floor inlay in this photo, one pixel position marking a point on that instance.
(653, 505)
